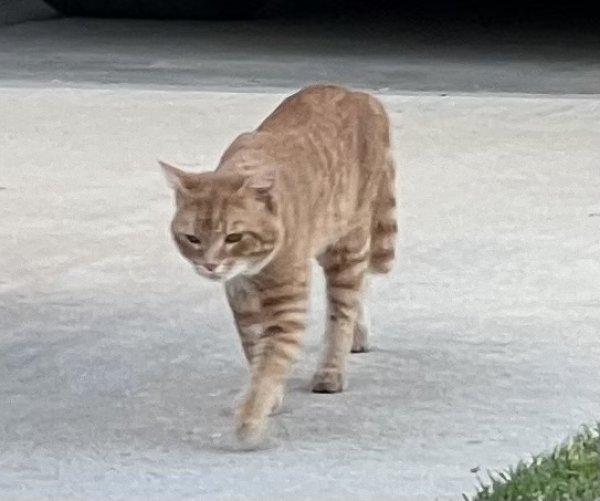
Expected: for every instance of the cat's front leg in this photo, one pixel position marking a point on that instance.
(245, 305)
(284, 305)
(247, 313)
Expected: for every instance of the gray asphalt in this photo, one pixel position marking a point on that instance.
(271, 55)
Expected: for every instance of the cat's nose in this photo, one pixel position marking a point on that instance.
(210, 266)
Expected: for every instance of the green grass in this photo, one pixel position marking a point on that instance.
(570, 473)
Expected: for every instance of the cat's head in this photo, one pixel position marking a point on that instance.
(225, 224)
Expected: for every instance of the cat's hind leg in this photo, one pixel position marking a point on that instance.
(345, 264)
(360, 339)
(382, 249)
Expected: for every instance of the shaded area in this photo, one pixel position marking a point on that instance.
(18, 11)
(279, 54)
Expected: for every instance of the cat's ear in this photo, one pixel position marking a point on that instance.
(175, 177)
(262, 181)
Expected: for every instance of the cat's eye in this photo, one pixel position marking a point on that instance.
(233, 238)
(192, 239)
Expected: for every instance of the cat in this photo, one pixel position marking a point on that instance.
(314, 180)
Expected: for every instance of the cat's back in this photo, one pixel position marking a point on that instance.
(324, 105)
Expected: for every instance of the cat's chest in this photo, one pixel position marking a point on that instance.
(240, 287)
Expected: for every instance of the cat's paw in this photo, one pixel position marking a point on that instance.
(277, 402)
(359, 346)
(252, 415)
(360, 340)
(250, 433)
(250, 425)
(328, 381)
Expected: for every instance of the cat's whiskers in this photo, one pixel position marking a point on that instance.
(224, 271)
(215, 276)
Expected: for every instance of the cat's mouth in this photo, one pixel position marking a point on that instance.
(222, 273)
(217, 275)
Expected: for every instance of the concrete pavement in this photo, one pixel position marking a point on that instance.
(118, 365)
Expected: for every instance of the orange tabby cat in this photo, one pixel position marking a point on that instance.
(314, 180)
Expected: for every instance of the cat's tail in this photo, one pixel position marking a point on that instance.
(383, 224)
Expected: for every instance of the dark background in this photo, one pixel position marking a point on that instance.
(532, 14)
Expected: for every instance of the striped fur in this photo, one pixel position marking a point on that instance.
(314, 180)
(383, 226)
